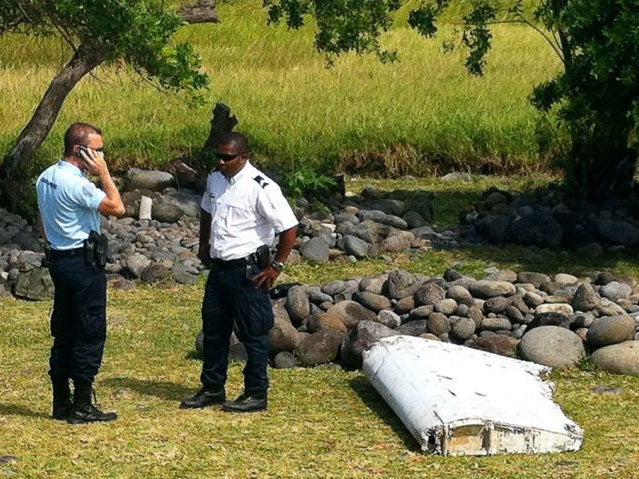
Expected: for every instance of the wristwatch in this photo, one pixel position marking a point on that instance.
(278, 265)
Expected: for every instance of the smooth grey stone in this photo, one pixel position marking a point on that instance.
(611, 330)
(621, 358)
(552, 346)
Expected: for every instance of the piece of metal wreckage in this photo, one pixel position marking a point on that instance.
(460, 401)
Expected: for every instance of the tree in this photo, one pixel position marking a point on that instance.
(596, 97)
(133, 32)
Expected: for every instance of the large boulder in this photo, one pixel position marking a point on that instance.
(552, 346)
(350, 313)
(622, 358)
(137, 179)
(319, 348)
(610, 330)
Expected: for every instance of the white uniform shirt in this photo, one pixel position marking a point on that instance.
(246, 212)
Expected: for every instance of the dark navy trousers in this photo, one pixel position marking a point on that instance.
(78, 320)
(231, 297)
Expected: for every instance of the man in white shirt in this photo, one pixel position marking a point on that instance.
(242, 211)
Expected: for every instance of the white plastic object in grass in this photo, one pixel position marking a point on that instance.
(460, 401)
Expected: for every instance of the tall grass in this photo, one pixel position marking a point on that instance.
(412, 116)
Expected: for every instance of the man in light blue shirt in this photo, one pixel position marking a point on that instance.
(70, 207)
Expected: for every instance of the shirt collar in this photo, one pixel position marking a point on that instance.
(245, 171)
(68, 166)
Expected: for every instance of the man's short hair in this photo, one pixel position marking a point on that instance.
(234, 138)
(77, 134)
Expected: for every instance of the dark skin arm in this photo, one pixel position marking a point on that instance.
(205, 236)
(266, 278)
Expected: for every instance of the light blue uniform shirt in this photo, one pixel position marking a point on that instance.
(68, 204)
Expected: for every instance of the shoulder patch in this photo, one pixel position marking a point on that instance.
(87, 191)
(261, 181)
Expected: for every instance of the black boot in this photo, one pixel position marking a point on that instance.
(85, 408)
(206, 396)
(247, 403)
(62, 404)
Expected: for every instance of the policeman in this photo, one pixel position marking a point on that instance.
(242, 211)
(70, 207)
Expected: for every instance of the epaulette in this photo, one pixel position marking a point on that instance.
(261, 181)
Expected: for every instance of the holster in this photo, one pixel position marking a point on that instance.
(96, 249)
(263, 256)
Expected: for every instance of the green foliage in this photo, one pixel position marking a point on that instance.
(131, 32)
(305, 180)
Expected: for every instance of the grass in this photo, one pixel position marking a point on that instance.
(322, 422)
(419, 115)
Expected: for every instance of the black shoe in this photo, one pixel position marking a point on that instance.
(90, 413)
(247, 403)
(61, 412)
(203, 398)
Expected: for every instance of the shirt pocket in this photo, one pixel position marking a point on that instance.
(235, 213)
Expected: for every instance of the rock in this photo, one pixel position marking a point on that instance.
(552, 346)
(497, 305)
(618, 232)
(152, 180)
(373, 284)
(315, 249)
(566, 279)
(536, 279)
(285, 360)
(389, 318)
(421, 312)
(438, 324)
(372, 301)
(493, 227)
(498, 323)
(405, 305)
(319, 348)
(335, 288)
(414, 220)
(429, 293)
(154, 273)
(456, 176)
(283, 336)
(184, 277)
(35, 285)
(357, 247)
(621, 358)
(446, 306)
(27, 241)
(297, 304)
(536, 230)
(460, 294)
(320, 321)
(585, 298)
(502, 275)
(166, 213)
(137, 263)
(610, 330)
(497, 344)
(367, 334)
(550, 318)
(561, 308)
(351, 313)
(416, 327)
(615, 291)
(463, 329)
(489, 289)
(402, 284)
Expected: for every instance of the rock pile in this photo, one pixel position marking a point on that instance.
(158, 237)
(552, 321)
(545, 219)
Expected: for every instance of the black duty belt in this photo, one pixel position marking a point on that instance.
(233, 263)
(66, 253)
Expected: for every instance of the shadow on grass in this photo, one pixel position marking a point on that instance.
(162, 389)
(375, 403)
(17, 410)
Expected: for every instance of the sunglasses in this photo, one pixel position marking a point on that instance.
(225, 158)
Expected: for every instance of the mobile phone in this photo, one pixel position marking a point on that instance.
(82, 149)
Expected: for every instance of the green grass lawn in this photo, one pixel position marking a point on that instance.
(321, 422)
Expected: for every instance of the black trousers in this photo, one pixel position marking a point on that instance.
(230, 296)
(78, 320)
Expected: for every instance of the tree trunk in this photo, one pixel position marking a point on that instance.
(15, 169)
